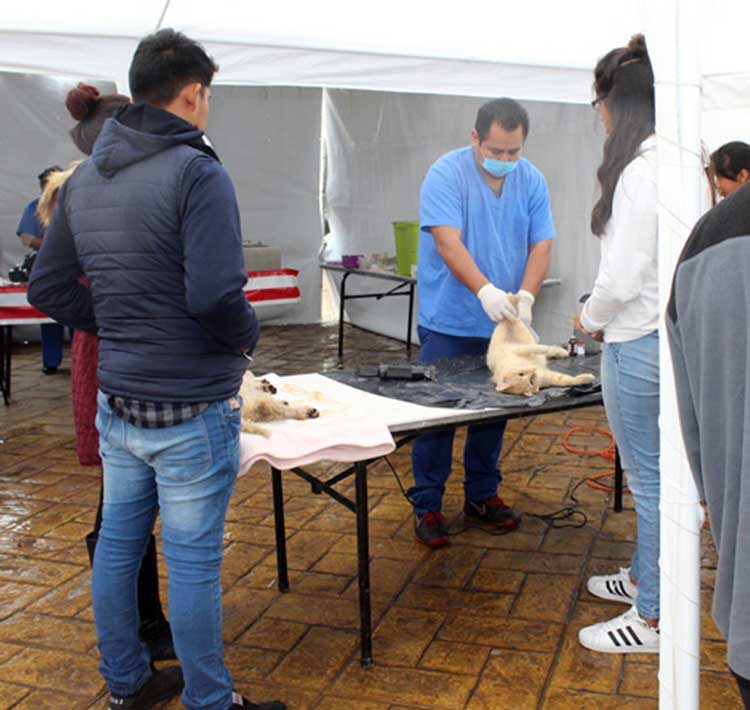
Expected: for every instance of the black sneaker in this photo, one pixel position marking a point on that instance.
(162, 685)
(493, 510)
(49, 370)
(158, 636)
(240, 703)
(432, 530)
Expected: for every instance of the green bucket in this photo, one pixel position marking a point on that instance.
(407, 245)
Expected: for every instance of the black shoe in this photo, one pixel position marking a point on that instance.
(162, 685)
(432, 530)
(49, 370)
(493, 510)
(240, 703)
(157, 634)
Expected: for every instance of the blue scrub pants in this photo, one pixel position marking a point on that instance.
(432, 454)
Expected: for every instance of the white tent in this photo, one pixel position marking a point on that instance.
(392, 85)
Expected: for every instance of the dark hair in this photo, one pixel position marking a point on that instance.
(164, 63)
(507, 112)
(44, 175)
(624, 79)
(87, 106)
(729, 160)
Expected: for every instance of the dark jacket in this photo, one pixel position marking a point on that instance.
(151, 219)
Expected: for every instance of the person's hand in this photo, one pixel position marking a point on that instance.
(496, 303)
(577, 325)
(525, 302)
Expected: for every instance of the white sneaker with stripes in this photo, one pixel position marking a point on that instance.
(627, 633)
(614, 587)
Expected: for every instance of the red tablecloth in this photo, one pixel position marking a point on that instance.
(263, 288)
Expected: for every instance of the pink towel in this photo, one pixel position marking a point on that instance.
(334, 438)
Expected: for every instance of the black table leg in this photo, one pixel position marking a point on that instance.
(342, 302)
(618, 482)
(278, 515)
(411, 315)
(6, 346)
(363, 555)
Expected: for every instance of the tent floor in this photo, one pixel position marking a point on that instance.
(486, 624)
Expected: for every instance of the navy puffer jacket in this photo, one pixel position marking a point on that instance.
(151, 219)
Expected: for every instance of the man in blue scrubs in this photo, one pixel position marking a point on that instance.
(486, 231)
(31, 233)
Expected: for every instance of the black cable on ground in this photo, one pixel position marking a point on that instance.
(566, 517)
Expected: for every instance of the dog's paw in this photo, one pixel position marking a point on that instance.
(266, 386)
(585, 379)
(557, 352)
(252, 428)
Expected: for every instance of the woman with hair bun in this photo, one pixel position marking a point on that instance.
(623, 310)
(730, 167)
(87, 106)
(91, 109)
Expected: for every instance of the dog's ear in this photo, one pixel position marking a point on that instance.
(508, 382)
(502, 385)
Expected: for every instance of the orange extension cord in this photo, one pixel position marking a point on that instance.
(608, 453)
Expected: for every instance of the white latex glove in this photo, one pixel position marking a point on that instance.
(496, 303)
(525, 302)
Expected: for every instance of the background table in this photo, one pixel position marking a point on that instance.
(265, 290)
(405, 286)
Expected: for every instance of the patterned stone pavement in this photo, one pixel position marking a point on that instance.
(488, 624)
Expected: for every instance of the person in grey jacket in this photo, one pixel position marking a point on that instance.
(708, 326)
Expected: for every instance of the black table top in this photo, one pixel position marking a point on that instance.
(464, 385)
(388, 275)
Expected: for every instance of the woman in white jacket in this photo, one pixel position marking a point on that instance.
(623, 310)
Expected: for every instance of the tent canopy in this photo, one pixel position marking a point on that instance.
(416, 46)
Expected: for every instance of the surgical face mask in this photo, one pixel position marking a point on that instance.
(499, 168)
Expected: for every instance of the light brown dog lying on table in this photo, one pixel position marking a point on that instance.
(519, 364)
(260, 405)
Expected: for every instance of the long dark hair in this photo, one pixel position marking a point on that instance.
(624, 80)
(87, 106)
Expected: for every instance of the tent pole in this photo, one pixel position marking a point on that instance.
(673, 38)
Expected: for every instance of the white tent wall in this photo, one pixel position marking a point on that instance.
(269, 140)
(34, 127)
(379, 146)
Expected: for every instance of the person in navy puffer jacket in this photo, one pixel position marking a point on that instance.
(151, 220)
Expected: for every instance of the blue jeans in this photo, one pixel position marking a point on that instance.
(187, 472)
(432, 454)
(630, 388)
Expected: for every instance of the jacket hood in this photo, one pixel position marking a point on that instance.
(138, 131)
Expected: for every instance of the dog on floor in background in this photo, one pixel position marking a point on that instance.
(260, 405)
(519, 365)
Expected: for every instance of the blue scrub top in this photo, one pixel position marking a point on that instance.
(497, 231)
(30, 222)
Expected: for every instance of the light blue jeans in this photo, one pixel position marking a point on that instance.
(186, 472)
(630, 389)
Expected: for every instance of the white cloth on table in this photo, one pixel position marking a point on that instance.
(353, 424)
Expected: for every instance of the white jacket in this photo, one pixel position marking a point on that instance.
(624, 302)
